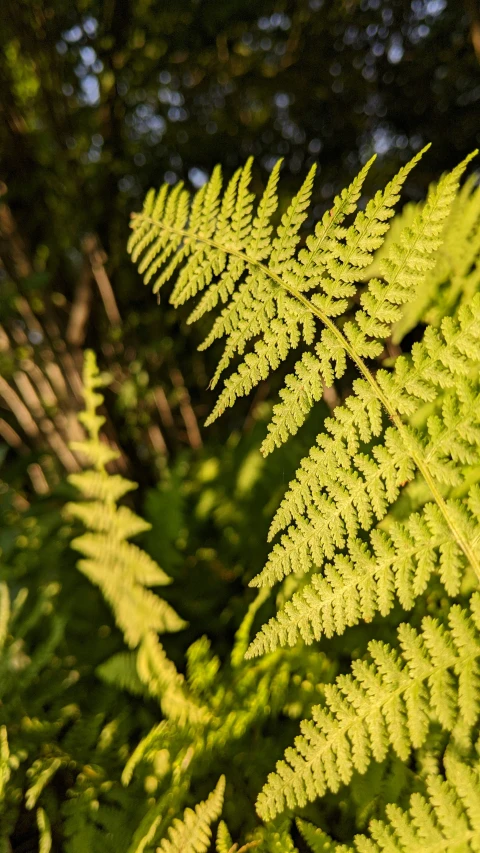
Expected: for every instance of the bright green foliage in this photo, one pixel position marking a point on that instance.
(123, 571)
(390, 701)
(446, 818)
(386, 506)
(119, 568)
(208, 715)
(345, 488)
(455, 277)
(192, 834)
(45, 842)
(220, 241)
(223, 841)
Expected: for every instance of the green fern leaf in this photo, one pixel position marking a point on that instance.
(41, 772)
(388, 702)
(121, 671)
(365, 581)
(269, 304)
(446, 819)
(339, 489)
(193, 833)
(317, 840)
(162, 680)
(43, 824)
(223, 842)
(121, 570)
(4, 613)
(5, 770)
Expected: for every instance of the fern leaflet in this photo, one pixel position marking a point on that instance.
(445, 820)
(193, 833)
(388, 702)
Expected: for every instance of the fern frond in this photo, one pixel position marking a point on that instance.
(121, 570)
(270, 305)
(4, 613)
(95, 486)
(41, 772)
(193, 833)
(274, 838)
(5, 769)
(268, 273)
(388, 702)
(446, 819)
(456, 275)
(242, 636)
(357, 585)
(339, 490)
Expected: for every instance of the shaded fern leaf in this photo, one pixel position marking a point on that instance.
(317, 840)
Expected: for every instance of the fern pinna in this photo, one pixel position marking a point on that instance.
(410, 430)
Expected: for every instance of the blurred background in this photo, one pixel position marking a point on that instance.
(101, 100)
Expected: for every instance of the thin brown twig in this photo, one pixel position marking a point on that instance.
(163, 407)
(18, 409)
(80, 310)
(97, 258)
(12, 246)
(11, 437)
(186, 409)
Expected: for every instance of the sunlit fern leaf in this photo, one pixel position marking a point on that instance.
(44, 831)
(268, 306)
(340, 488)
(387, 702)
(4, 613)
(446, 818)
(192, 834)
(456, 274)
(95, 486)
(380, 439)
(121, 570)
(261, 274)
(5, 769)
(41, 772)
(396, 563)
(223, 841)
(160, 677)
